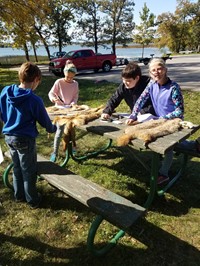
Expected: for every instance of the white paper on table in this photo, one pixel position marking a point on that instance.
(1, 155)
(118, 122)
(145, 117)
(63, 106)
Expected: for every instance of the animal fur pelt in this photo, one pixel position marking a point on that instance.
(74, 120)
(150, 130)
(187, 124)
(62, 111)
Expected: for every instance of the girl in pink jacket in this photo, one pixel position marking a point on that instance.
(64, 94)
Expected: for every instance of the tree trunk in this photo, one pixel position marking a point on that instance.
(43, 41)
(60, 44)
(142, 50)
(35, 53)
(26, 52)
(113, 48)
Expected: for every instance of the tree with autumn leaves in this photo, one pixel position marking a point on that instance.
(29, 23)
(181, 30)
(45, 22)
(177, 31)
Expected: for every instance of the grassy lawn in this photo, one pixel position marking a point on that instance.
(56, 233)
(6, 61)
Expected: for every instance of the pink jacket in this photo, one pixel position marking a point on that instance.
(65, 91)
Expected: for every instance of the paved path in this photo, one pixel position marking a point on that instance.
(185, 70)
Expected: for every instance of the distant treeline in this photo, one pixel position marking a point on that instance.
(130, 45)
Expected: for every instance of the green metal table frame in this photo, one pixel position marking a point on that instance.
(69, 153)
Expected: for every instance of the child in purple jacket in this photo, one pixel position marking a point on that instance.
(167, 101)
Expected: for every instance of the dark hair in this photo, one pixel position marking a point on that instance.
(131, 70)
(28, 72)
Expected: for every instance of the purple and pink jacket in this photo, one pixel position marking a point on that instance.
(167, 100)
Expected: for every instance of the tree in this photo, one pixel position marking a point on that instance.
(60, 20)
(192, 11)
(89, 25)
(118, 25)
(169, 32)
(144, 33)
(181, 30)
(43, 21)
(20, 18)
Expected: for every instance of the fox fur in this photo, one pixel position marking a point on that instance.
(61, 111)
(74, 120)
(149, 131)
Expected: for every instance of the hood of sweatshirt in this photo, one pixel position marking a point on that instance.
(16, 95)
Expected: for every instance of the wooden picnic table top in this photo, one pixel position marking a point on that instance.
(161, 145)
(113, 131)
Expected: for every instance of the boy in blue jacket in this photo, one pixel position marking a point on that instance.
(20, 110)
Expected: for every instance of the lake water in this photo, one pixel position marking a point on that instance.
(120, 52)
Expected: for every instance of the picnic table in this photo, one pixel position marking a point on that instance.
(113, 129)
(106, 204)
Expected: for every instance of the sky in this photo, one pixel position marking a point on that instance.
(155, 6)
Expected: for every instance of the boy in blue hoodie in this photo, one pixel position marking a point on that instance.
(20, 110)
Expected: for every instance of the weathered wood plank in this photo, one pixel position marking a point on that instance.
(114, 208)
(161, 145)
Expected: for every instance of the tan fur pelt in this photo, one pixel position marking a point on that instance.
(150, 130)
(74, 120)
(69, 135)
(61, 111)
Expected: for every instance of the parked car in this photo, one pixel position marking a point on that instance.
(83, 59)
(57, 55)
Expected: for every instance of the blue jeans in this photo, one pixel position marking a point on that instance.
(57, 138)
(166, 163)
(24, 157)
(188, 145)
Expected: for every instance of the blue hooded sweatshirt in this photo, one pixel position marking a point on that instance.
(20, 110)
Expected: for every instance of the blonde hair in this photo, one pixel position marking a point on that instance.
(28, 72)
(70, 67)
(157, 61)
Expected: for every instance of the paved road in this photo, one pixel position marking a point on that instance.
(185, 70)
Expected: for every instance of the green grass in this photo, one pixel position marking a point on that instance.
(56, 233)
(6, 61)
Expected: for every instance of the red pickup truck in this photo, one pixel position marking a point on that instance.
(83, 59)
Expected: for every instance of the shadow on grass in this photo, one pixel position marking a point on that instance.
(178, 199)
(156, 247)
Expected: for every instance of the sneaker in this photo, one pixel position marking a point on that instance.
(36, 205)
(53, 157)
(20, 200)
(162, 179)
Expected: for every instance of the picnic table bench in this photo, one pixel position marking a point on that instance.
(108, 205)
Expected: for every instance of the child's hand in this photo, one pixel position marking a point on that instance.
(105, 116)
(58, 101)
(129, 121)
(55, 99)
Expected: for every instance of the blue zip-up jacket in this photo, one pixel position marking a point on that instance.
(20, 110)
